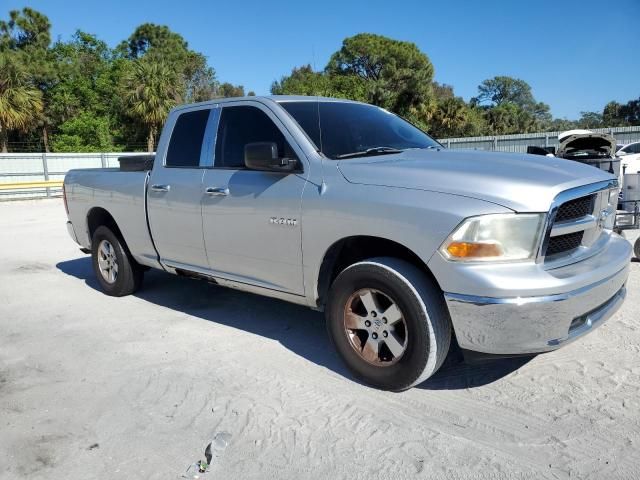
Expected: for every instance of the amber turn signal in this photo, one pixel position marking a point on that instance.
(474, 250)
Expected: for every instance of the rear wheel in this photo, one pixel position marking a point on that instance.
(117, 272)
(388, 322)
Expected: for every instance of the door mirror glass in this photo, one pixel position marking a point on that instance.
(264, 156)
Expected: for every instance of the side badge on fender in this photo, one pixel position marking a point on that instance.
(288, 222)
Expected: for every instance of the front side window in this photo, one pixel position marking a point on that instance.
(343, 128)
(242, 125)
(186, 139)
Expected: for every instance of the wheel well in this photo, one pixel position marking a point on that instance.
(99, 216)
(351, 250)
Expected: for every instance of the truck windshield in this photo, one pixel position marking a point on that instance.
(348, 130)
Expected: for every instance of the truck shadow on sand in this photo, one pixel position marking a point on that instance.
(297, 328)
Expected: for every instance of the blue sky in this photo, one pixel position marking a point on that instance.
(575, 55)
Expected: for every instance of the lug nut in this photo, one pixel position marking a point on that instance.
(367, 323)
(374, 314)
(384, 319)
(374, 335)
(385, 334)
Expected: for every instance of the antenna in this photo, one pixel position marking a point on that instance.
(313, 56)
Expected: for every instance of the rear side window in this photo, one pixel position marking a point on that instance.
(186, 139)
(242, 125)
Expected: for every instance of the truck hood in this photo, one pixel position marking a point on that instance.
(523, 183)
(601, 143)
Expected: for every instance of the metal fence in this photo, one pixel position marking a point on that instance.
(34, 175)
(520, 142)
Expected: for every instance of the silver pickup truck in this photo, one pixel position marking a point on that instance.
(347, 208)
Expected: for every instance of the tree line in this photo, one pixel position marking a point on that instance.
(80, 95)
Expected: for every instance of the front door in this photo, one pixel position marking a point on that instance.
(251, 219)
(174, 197)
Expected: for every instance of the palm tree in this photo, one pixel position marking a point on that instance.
(20, 102)
(153, 89)
(450, 118)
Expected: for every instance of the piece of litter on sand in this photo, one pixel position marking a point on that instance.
(214, 449)
(196, 470)
(212, 453)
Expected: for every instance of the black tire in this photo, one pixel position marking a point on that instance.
(425, 317)
(636, 248)
(129, 273)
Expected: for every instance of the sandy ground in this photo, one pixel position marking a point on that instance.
(111, 388)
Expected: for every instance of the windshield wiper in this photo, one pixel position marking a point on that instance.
(370, 151)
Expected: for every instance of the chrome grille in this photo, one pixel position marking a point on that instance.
(576, 223)
(564, 243)
(576, 208)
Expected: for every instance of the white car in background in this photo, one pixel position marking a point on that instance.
(629, 157)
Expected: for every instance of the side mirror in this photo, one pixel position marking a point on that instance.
(621, 154)
(264, 156)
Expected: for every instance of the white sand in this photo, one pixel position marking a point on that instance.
(152, 378)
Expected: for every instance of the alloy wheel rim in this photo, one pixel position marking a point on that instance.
(107, 261)
(375, 327)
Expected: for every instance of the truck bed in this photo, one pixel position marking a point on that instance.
(122, 195)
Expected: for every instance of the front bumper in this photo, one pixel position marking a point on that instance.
(535, 320)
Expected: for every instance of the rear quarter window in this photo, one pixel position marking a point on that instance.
(186, 139)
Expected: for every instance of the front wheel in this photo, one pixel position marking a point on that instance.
(116, 271)
(636, 248)
(388, 322)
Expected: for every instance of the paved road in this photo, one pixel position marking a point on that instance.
(135, 387)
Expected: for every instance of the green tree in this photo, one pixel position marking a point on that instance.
(611, 114)
(305, 81)
(20, 101)
(26, 29)
(450, 118)
(87, 77)
(228, 90)
(630, 112)
(157, 43)
(396, 75)
(453, 117)
(514, 104)
(561, 124)
(442, 91)
(27, 32)
(617, 114)
(589, 120)
(509, 118)
(501, 89)
(85, 133)
(152, 89)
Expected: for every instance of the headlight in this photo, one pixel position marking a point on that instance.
(501, 237)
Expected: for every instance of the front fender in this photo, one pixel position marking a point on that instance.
(418, 220)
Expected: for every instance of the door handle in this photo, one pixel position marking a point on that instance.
(217, 191)
(160, 188)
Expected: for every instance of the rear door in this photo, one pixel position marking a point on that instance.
(174, 198)
(251, 219)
